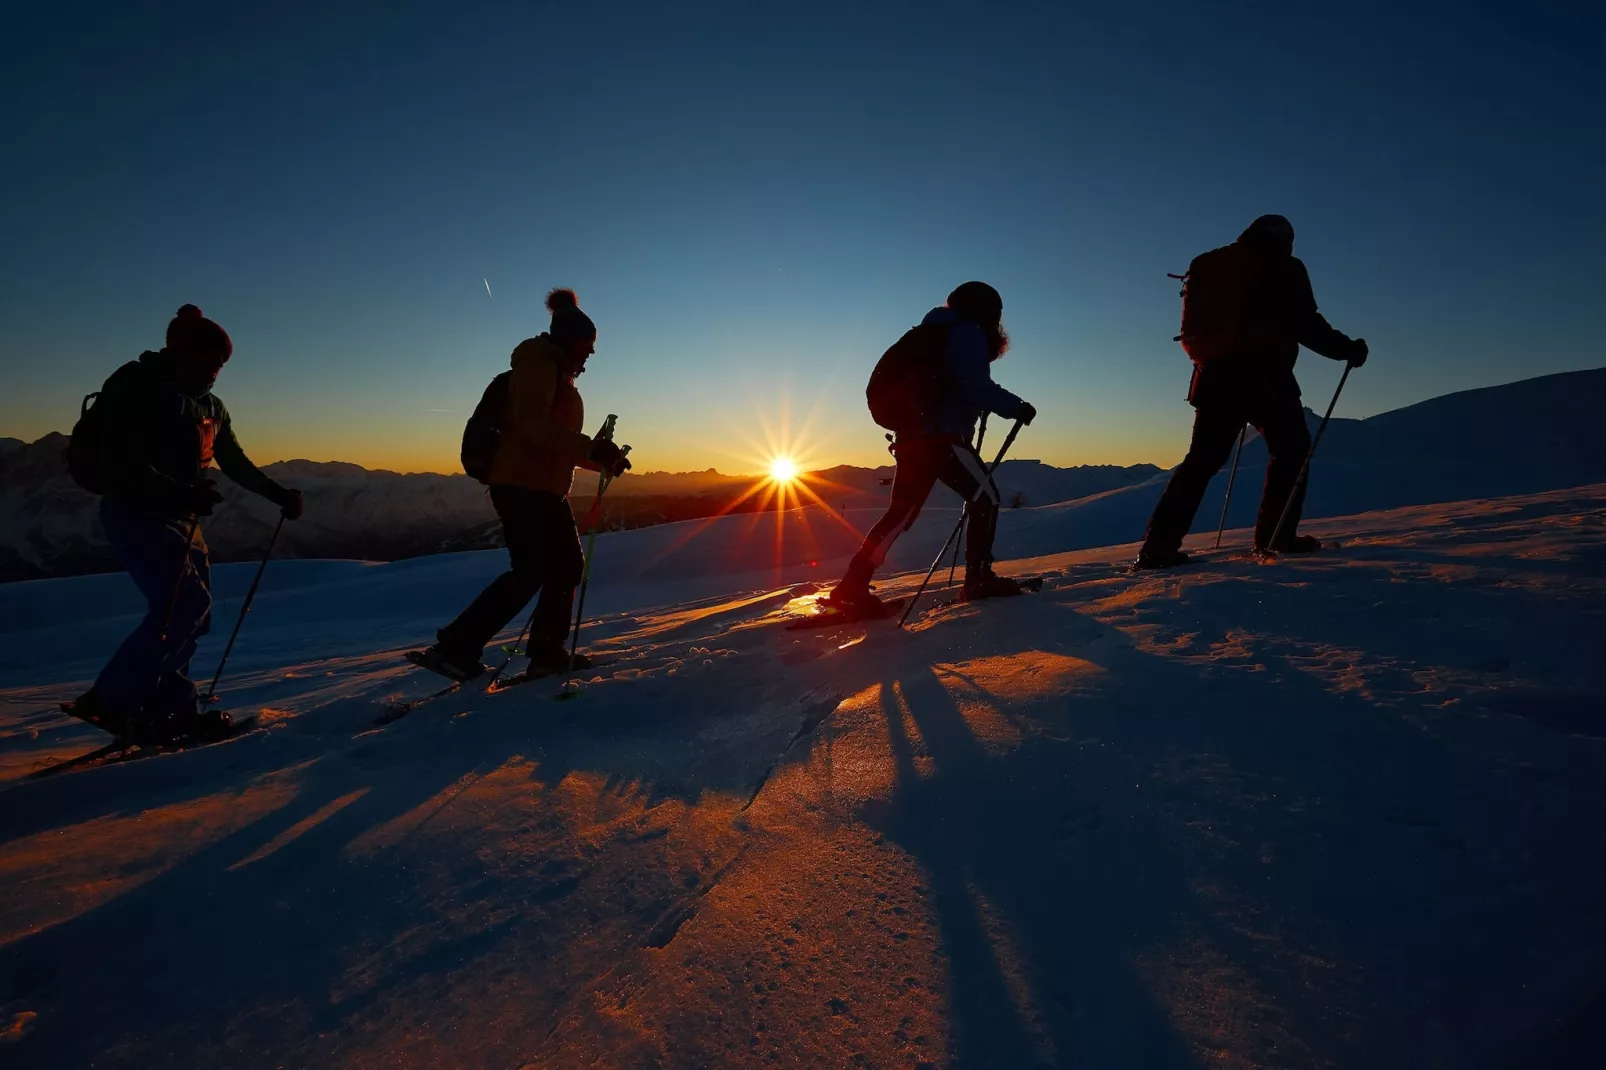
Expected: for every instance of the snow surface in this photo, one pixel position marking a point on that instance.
(1336, 811)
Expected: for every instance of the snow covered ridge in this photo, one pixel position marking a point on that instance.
(1341, 810)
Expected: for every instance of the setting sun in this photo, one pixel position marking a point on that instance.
(783, 470)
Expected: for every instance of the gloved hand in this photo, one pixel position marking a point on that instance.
(1358, 353)
(1028, 413)
(291, 504)
(199, 497)
(607, 456)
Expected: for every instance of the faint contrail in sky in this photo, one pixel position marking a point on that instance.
(437, 410)
(487, 283)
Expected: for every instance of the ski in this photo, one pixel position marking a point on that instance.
(124, 750)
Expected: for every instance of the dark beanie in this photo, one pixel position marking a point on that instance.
(977, 302)
(192, 333)
(568, 322)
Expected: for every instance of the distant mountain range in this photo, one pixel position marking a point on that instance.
(49, 527)
(1525, 437)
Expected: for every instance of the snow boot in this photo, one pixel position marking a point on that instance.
(1148, 559)
(205, 726)
(855, 601)
(88, 707)
(988, 584)
(449, 663)
(1294, 544)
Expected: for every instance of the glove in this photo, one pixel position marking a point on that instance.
(1028, 413)
(291, 504)
(607, 456)
(1358, 353)
(199, 497)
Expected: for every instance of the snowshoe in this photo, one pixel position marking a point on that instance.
(844, 605)
(180, 729)
(547, 661)
(1297, 544)
(87, 708)
(1158, 559)
(1024, 585)
(543, 669)
(452, 665)
(146, 739)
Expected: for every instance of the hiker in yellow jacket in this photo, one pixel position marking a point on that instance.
(541, 445)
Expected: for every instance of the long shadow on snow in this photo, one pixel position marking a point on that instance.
(290, 949)
(1332, 876)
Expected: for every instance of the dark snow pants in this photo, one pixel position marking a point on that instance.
(1275, 411)
(921, 464)
(149, 674)
(544, 546)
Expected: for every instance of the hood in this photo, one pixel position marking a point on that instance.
(541, 347)
(942, 316)
(161, 362)
(1271, 232)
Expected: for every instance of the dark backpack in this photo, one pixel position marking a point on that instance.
(482, 435)
(911, 379)
(86, 449)
(1217, 294)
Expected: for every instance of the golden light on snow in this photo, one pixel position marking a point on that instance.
(783, 470)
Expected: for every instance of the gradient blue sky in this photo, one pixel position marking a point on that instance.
(753, 200)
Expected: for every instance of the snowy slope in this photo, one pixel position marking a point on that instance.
(1341, 811)
(1518, 438)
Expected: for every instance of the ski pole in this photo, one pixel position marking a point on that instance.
(959, 546)
(1009, 440)
(211, 691)
(1231, 479)
(1304, 469)
(585, 571)
(513, 652)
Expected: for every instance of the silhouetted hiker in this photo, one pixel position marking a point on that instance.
(1247, 308)
(929, 390)
(529, 474)
(143, 446)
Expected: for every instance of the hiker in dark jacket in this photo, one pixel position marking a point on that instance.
(1244, 347)
(941, 448)
(159, 428)
(530, 475)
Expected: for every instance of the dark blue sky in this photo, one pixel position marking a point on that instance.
(754, 200)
